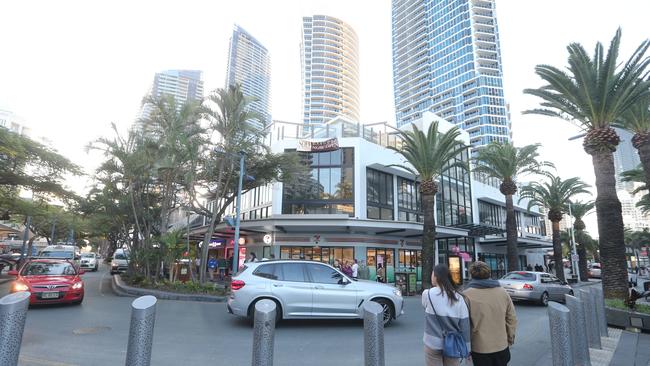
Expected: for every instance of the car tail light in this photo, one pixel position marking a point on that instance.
(528, 286)
(237, 284)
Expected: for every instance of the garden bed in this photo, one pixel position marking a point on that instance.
(618, 314)
(127, 286)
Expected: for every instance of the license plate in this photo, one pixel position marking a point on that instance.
(50, 295)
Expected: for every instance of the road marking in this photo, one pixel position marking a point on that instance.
(38, 361)
(101, 282)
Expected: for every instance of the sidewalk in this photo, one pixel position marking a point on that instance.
(633, 350)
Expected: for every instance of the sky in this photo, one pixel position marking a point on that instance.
(70, 68)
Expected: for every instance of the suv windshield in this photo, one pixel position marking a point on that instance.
(520, 276)
(48, 269)
(120, 256)
(57, 254)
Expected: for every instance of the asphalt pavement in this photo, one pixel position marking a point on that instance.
(195, 333)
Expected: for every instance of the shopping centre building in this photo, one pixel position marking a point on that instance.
(356, 204)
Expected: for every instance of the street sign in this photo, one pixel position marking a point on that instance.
(574, 257)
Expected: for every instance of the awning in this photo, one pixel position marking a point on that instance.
(525, 243)
(480, 230)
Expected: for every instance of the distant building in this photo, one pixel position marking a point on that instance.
(183, 85)
(447, 59)
(329, 53)
(249, 64)
(626, 157)
(14, 123)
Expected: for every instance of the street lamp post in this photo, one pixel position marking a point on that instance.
(235, 258)
(574, 263)
(25, 238)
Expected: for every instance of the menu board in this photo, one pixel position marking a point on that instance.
(401, 282)
(413, 282)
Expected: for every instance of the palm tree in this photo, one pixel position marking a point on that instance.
(429, 155)
(594, 93)
(638, 176)
(554, 195)
(637, 120)
(579, 210)
(505, 162)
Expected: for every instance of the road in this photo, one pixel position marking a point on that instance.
(194, 333)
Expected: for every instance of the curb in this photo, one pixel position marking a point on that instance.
(122, 289)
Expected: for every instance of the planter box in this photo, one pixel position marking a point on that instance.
(626, 318)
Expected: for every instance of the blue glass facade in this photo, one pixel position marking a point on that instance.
(446, 60)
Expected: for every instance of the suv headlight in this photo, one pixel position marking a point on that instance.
(397, 292)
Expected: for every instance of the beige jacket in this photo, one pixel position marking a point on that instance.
(493, 319)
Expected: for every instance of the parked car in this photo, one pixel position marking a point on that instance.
(632, 277)
(49, 281)
(90, 261)
(594, 270)
(120, 261)
(306, 289)
(535, 286)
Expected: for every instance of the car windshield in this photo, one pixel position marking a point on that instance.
(120, 256)
(57, 254)
(520, 276)
(88, 255)
(48, 269)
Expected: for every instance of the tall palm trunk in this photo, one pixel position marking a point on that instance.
(610, 228)
(557, 251)
(428, 232)
(644, 155)
(511, 235)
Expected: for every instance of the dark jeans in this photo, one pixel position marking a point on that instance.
(500, 358)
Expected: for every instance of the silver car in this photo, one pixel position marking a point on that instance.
(305, 289)
(535, 286)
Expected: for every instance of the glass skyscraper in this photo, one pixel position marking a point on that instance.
(249, 64)
(183, 85)
(447, 60)
(329, 54)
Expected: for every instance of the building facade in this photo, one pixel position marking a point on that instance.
(183, 85)
(354, 205)
(446, 59)
(14, 123)
(249, 64)
(329, 53)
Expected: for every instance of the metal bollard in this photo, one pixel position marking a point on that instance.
(600, 308)
(373, 329)
(13, 312)
(593, 330)
(561, 345)
(578, 328)
(264, 333)
(143, 317)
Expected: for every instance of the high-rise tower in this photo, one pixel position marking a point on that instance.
(446, 59)
(183, 85)
(249, 65)
(329, 53)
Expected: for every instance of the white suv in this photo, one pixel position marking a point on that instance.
(306, 289)
(90, 261)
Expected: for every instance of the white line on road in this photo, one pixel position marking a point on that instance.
(27, 360)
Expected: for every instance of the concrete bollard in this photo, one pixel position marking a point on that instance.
(373, 329)
(143, 317)
(13, 312)
(561, 345)
(593, 330)
(264, 333)
(578, 328)
(600, 308)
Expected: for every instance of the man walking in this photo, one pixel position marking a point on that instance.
(493, 318)
(212, 265)
(355, 270)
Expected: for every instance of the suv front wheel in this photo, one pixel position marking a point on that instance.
(387, 308)
(278, 311)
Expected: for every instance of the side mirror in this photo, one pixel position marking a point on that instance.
(13, 272)
(81, 271)
(344, 281)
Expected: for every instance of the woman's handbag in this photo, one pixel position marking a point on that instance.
(453, 343)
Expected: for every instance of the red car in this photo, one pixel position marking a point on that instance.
(50, 281)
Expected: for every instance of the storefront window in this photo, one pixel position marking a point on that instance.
(319, 254)
(410, 260)
(408, 201)
(496, 263)
(384, 257)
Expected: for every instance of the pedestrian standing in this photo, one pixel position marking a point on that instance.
(212, 266)
(493, 318)
(221, 267)
(355, 269)
(381, 273)
(445, 312)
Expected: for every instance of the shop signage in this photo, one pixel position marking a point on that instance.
(318, 146)
(268, 239)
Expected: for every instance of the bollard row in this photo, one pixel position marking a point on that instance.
(13, 313)
(143, 316)
(264, 333)
(578, 330)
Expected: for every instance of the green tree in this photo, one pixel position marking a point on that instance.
(579, 210)
(555, 196)
(594, 93)
(506, 163)
(428, 156)
(637, 120)
(215, 172)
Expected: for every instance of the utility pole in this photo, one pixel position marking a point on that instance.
(235, 258)
(53, 233)
(574, 252)
(25, 238)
